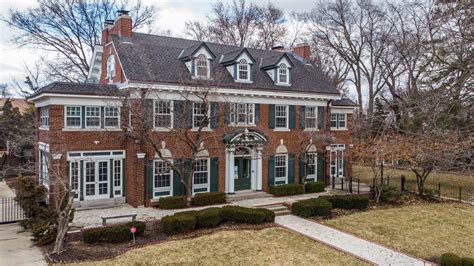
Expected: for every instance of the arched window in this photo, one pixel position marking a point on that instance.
(282, 73)
(111, 66)
(201, 66)
(243, 70)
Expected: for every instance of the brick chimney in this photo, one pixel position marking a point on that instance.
(122, 26)
(303, 50)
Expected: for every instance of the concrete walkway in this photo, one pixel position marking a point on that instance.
(361, 248)
(17, 248)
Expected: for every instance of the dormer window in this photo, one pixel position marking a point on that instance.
(243, 70)
(282, 74)
(202, 66)
(111, 67)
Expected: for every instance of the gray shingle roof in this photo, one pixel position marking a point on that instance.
(78, 88)
(151, 58)
(344, 102)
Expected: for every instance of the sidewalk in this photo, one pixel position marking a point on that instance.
(361, 248)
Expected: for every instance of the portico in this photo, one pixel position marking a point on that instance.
(244, 160)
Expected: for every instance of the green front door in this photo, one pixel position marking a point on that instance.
(242, 168)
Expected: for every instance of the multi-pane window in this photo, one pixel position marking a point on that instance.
(43, 165)
(111, 116)
(310, 117)
(44, 117)
(281, 116)
(338, 121)
(282, 74)
(90, 179)
(281, 168)
(311, 164)
(201, 172)
(162, 175)
(73, 116)
(103, 178)
(163, 114)
(111, 66)
(74, 177)
(242, 114)
(200, 115)
(92, 116)
(243, 70)
(201, 66)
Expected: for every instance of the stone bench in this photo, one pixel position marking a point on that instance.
(104, 219)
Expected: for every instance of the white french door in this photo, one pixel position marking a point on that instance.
(96, 179)
(337, 160)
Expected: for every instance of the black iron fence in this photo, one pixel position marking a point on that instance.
(10, 211)
(458, 193)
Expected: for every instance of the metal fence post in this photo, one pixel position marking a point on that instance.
(460, 194)
(350, 185)
(342, 183)
(333, 182)
(439, 189)
(358, 186)
(402, 183)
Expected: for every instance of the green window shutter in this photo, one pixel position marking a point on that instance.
(214, 115)
(111, 179)
(102, 117)
(275, 78)
(257, 114)
(81, 180)
(302, 116)
(250, 72)
(320, 174)
(271, 116)
(186, 172)
(83, 116)
(177, 187)
(292, 116)
(178, 108)
(214, 174)
(235, 71)
(289, 76)
(271, 170)
(149, 111)
(302, 170)
(149, 178)
(291, 168)
(321, 115)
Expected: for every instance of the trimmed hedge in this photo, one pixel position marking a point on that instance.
(187, 221)
(113, 233)
(312, 207)
(286, 190)
(450, 259)
(348, 202)
(314, 187)
(177, 202)
(177, 224)
(209, 198)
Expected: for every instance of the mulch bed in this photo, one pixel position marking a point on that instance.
(78, 251)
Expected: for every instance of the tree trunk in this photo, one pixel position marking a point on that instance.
(63, 222)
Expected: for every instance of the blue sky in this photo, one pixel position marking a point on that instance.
(172, 16)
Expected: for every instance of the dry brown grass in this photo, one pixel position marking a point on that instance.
(424, 230)
(365, 174)
(246, 247)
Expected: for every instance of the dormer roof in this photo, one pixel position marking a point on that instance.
(232, 57)
(274, 61)
(187, 53)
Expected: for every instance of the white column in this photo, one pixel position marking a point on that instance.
(259, 169)
(253, 170)
(231, 171)
(227, 170)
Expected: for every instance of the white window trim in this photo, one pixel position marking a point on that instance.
(171, 116)
(208, 127)
(279, 179)
(306, 128)
(287, 118)
(114, 188)
(44, 127)
(118, 116)
(86, 116)
(235, 123)
(65, 117)
(208, 184)
(247, 80)
(43, 148)
(195, 75)
(162, 189)
(337, 128)
(78, 190)
(315, 176)
(277, 78)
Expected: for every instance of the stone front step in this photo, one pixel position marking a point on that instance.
(247, 194)
(278, 209)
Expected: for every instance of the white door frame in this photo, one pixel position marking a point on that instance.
(96, 181)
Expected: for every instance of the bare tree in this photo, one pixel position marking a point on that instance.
(4, 91)
(69, 30)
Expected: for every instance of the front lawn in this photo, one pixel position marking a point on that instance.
(267, 246)
(423, 230)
